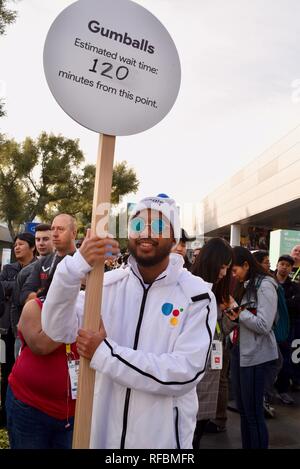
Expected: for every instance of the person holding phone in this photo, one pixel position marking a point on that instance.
(254, 345)
(213, 265)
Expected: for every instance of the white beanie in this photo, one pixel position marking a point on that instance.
(162, 204)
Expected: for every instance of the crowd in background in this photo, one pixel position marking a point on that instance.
(256, 366)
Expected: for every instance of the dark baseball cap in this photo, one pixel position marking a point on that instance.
(286, 258)
(184, 237)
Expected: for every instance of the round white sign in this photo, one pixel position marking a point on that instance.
(112, 66)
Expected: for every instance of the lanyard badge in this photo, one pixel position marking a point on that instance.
(73, 368)
(216, 355)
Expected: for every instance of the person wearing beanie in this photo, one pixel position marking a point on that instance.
(154, 342)
(24, 248)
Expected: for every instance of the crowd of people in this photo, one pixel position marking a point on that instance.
(177, 335)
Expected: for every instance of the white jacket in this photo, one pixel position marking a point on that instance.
(147, 368)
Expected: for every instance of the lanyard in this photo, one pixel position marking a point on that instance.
(295, 275)
(218, 329)
(70, 355)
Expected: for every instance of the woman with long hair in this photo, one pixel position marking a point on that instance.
(254, 345)
(213, 264)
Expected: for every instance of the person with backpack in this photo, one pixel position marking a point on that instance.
(292, 296)
(254, 346)
(281, 330)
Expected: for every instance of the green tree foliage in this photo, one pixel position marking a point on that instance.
(7, 16)
(123, 178)
(124, 181)
(2, 112)
(46, 176)
(4, 444)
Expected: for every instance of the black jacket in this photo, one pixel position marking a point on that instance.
(8, 280)
(292, 296)
(38, 278)
(2, 300)
(17, 305)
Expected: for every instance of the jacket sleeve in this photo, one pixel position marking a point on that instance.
(32, 283)
(293, 301)
(16, 306)
(172, 374)
(267, 301)
(6, 282)
(2, 300)
(63, 309)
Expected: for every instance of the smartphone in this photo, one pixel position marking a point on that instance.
(231, 310)
(235, 309)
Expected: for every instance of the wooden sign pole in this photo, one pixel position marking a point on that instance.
(93, 296)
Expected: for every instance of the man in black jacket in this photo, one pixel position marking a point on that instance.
(44, 246)
(24, 247)
(64, 230)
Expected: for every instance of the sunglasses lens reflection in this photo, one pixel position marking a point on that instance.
(137, 225)
(158, 226)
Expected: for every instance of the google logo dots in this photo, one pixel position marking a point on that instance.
(168, 309)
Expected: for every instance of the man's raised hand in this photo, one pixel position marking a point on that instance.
(94, 249)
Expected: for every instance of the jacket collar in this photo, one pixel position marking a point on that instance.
(168, 276)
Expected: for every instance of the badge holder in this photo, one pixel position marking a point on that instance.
(73, 368)
(216, 354)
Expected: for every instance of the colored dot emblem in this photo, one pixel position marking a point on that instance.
(174, 321)
(167, 309)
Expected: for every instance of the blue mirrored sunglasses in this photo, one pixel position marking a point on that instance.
(138, 225)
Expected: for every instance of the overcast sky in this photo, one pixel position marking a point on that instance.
(239, 60)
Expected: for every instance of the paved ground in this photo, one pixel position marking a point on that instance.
(284, 430)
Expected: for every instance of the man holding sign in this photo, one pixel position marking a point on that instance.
(153, 343)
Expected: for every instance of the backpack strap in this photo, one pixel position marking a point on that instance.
(259, 281)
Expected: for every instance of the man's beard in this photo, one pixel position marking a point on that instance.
(160, 255)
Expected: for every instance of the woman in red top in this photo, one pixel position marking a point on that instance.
(39, 404)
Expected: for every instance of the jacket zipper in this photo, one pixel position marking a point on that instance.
(177, 428)
(128, 391)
